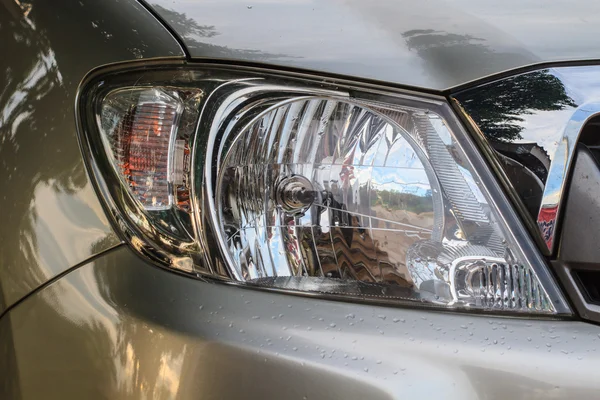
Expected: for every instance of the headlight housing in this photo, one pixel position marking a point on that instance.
(295, 184)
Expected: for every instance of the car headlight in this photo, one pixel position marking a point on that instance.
(295, 184)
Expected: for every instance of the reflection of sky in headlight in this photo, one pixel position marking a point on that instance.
(374, 218)
(411, 181)
(472, 185)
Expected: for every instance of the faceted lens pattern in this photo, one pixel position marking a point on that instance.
(498, 285)
(139, 137)
(372, 195)
(321, 189)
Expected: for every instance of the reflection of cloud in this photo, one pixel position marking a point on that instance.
(410, 181)
(553, 30)
(582, 82)
(545, 128)
(500, 108)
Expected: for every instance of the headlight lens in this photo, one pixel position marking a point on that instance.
(328, 188)
(139, 128)
(293, 185)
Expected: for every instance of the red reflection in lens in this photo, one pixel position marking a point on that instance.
(142, 151)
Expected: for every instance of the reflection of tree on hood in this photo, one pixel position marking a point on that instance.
(498, 107)
(185, 26)
(194, 33)
(444, 54)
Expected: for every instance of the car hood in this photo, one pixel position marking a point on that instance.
(430, 44)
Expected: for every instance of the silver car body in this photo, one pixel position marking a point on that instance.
(432, 44)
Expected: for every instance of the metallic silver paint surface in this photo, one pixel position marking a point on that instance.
(51, 217)
(118, 328)
(435, 44)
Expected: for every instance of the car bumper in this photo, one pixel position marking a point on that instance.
(119, 328)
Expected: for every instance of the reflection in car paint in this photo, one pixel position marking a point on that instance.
(534, 136)
(52, 219)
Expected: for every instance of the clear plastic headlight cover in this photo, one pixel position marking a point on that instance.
(296, 185)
